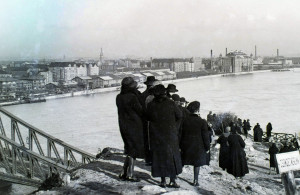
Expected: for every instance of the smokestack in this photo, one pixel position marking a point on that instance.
(277, 52)
(226, 52)
(211, 53)
(255, 52)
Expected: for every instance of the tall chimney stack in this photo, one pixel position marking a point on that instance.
(211, 53)
(277, 52)
(255, 52)
(226, 52)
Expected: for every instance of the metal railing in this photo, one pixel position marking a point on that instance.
(70, 157)
(280, 136)
(24, 166)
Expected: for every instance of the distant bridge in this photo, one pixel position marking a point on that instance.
(31, 162)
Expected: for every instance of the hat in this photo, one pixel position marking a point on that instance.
(159, 90)
(129, 82)
(150, 80)
(193, 106)
(176, 97)
(171, 88)
(182, 99)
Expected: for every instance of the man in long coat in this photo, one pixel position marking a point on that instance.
(149, 83)
(195, 140)
(131, 125)
(238, 163)
(162, 114)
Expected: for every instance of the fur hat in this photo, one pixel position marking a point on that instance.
(129, 82)
(159, 90)
(193, 106)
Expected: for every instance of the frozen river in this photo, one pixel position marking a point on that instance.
(90, 122)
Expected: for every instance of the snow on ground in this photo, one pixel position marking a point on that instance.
(101, 177)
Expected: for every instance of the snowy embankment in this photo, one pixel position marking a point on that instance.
(101, 177)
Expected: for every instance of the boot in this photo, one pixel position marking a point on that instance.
(196, 173)
(173, 183)
(123, 174)
(130, 171)
(163, 182)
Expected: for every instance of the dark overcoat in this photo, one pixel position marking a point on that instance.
(269, 129)
(238, 163)
(224, 152)
(148, 154)
(194, 141)
(162, 114)
(272, 151)
(185, 112)
(130, 122)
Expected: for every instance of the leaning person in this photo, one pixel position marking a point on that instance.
(162, 114)
(238, 163)
(194, 141)
(131, 126)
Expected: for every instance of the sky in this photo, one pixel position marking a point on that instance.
(147, 28)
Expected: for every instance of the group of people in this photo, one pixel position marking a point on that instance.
(232, 156)
(163, 128)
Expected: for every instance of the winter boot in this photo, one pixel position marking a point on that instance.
(130, 171)
(196, 173)
(173, 183)
(123, 174)
(163, 183)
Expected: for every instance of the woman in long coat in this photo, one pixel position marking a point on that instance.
(224, 150)
(131, 125)
(162, 114)
(238, 163)
(272, 151)
(195, 141)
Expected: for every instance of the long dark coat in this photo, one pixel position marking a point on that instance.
(238, 163)
(194, 141)
(272, 151)
(185, 113)
(148, 153)
(269, 129)
(162, 114)
(224, 152)
(258, 133)
(130, 122)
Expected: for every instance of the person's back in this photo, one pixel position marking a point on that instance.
(162, 114)
(259, 134)
(194, 140)
(238, 162)
(224, 150)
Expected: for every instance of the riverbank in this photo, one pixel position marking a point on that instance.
(110, 89)
(101, 177)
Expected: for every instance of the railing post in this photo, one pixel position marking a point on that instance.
(66, 155)
(14, 163)
(30, 140)
(13, 135)
(49, 148)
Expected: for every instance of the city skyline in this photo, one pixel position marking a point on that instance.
(43, 29)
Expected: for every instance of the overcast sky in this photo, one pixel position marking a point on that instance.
(144, 28)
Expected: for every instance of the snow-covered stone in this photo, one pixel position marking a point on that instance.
(152, 189)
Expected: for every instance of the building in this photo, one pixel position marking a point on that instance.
(175, 64)
(198, 65)
(236, 61)
(66, 71)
